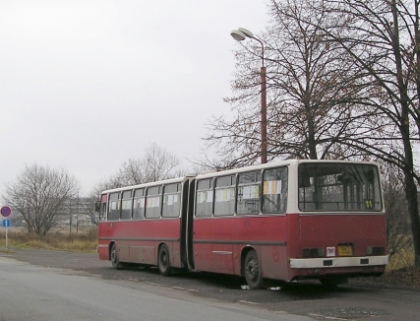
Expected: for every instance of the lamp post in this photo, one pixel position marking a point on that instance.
(240, 35)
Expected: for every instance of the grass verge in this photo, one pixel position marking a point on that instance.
(84, 241)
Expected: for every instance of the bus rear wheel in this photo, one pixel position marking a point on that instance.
(252, 271)
(115, 261)
(164, 261)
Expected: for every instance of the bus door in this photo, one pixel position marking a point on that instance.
(186, 223)
(103, 232)
(213, 231)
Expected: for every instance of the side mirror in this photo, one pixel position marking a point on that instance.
(97, 206)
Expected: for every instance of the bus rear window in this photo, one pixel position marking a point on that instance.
(339, 187)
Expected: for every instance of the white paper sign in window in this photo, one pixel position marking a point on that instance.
(170, 199)
(223, 195)
(153, 202)
(251, 192)
(272, 187)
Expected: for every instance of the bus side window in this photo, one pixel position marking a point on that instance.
(224, 201)
(153, 202)
(102, 212)
(249, 193)
(275, 190)
(138, 204)
(101, 204)
(204, 198)
(114, 207)
(171, 200)
(126, 205)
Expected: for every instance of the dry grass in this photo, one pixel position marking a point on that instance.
(84, 241)
(408, 277)
(401, 260)
(401, 271)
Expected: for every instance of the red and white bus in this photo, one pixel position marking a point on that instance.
(286, 221)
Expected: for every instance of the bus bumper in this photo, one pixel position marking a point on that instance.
(336, 262)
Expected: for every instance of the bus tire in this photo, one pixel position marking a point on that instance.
(252, 271)
(115, 261)
(164, 260)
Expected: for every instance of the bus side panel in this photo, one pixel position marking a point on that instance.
(219, 244)
(274, 262)
(212, 243)
(138, 241)
(267, 235)
(294, 248)
(103, 241)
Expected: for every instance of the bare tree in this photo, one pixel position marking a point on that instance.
(397, 216)
(156, 165)
(159, 164)
(346, 83)
(311, 101)
(39, 195)
(225, 162)
(383, 39)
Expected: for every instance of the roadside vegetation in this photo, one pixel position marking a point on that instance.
(84, 241)
(401, 272)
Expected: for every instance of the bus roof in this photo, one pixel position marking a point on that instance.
(234, 171)
(276, 164)
(166, 181)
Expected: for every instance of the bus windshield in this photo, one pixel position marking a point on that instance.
(332, 187)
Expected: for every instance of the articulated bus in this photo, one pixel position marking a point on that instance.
(286, 221)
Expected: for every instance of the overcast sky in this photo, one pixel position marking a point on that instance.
(86, 85)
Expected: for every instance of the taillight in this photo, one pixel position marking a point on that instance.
(375, 250)
(314, 252)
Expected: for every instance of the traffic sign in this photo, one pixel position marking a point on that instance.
(5, 211)
(5, 223)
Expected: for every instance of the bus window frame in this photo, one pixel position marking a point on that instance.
(159, 195)
(210, 189)
(126, 200)
(285, 201)
(141, 204)
(255, 182)
(359, 184)
(233, 184)
(171, 193)
(109, 207)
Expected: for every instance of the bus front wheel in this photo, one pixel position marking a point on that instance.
(252, 271)
(164, 261)
(115, 261)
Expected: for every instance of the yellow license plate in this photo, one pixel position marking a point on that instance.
(345, 250)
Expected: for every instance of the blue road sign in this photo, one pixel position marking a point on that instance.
(5, 223)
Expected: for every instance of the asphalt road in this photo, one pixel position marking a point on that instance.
(353, 301)
(35, 293)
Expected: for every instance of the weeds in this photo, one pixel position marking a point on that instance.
(404, 259)
(85, 241)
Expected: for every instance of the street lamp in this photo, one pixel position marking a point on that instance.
(240, 35)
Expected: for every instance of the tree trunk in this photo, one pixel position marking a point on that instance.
(411, 195)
